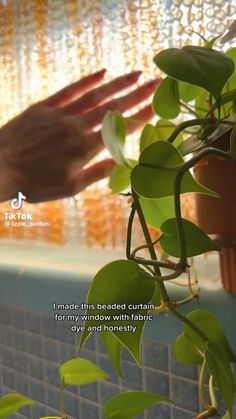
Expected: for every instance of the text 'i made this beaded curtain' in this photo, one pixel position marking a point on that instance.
(48, 44)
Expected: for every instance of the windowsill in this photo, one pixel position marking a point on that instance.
(28, 256)
(24, 257)
(34, 277)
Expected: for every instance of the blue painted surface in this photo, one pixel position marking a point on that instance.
(32, 346)
(37, 291)
(29, 365)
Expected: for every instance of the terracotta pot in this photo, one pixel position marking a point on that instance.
(218, 215)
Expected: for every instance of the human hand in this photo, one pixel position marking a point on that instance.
(44, 149)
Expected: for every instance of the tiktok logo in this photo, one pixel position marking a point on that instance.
(16, 203)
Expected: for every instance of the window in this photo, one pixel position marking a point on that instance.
(47, 44)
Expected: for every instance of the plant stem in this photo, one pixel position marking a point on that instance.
(188, 108)
(151, 262)
(179, 224)
(140, 260)
(210, 103)
(144, 246)
(202, 399)
(129, 232)
(187, 124)
(181, 235)
(151, 249)
(144, 227)
(196, 122)
(162, 167)
(185, 320)
(212, 392)
(164, 294)
(185, 300)
(207, 414)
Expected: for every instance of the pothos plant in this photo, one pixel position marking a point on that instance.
(200, 81)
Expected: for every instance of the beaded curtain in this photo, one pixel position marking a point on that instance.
(47, 44)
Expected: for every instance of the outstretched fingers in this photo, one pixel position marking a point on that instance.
(69, 93)
(101, 94)
(93, 118)
(136, 121)
(94, 143)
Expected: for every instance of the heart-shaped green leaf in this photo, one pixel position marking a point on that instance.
(11, 403)
(160, 132)
(219, 365)
(156, 211)
(201, 66)
(128, 405)
(164, 129)
(212, 328)
(121, 282)
(188, 92)
(227, 415)
(114, 349)
(166, 99)
(119, 178)
(223, 99)
(79, 371)
(185, 351)
(113, 135)
(190, 145)
(232, 80)
(159, 182)
(229, 106)
(196, 241)
(131, 339)
(148, 136)
(156, 298)
(202, 103)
